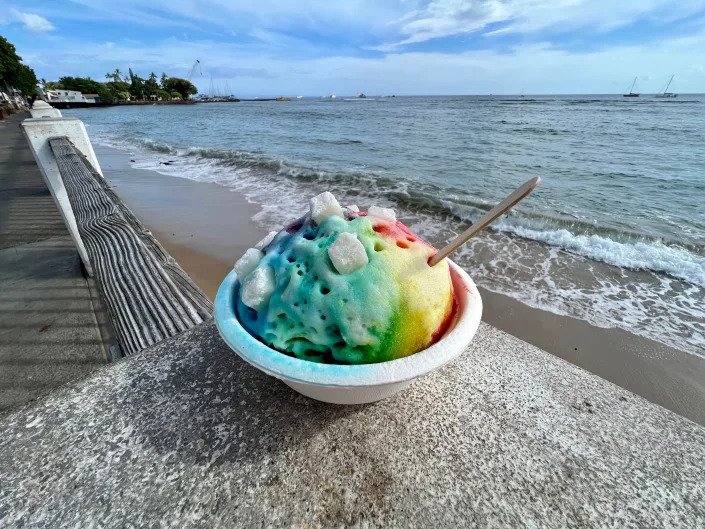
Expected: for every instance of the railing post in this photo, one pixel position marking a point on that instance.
(38, 132)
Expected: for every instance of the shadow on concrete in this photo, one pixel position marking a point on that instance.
(220, 408)
(48, 334)
(27, 211)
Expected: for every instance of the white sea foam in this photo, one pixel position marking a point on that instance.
(644, 302)
(653, 305)
(651, 255)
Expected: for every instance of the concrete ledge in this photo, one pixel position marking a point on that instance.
(42, 109)
(44, 113)
(186, 434)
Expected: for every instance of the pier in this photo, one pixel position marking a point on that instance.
(182, 432)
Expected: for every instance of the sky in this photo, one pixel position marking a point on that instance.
(407, 47)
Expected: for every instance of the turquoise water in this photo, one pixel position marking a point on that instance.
(615, 234)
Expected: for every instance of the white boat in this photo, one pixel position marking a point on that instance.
(359, 97)
(665, 92)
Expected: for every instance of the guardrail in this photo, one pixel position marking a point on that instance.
(148, 296)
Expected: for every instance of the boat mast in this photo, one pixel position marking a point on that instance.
(631, 90)
(669, 83)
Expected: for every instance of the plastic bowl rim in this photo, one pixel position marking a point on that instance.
(277, 364)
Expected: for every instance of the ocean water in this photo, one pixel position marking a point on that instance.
(615, 235)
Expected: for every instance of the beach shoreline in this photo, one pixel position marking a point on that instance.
(568, 249)
(206, 227)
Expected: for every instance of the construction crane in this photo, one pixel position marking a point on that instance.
(193, 70)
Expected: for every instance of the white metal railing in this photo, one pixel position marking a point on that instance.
(38, 132)
(147, 295)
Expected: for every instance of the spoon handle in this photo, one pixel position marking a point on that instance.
(487, 219)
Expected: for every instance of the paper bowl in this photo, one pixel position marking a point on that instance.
(351, 384)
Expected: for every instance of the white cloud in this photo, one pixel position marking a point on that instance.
(32, 23)
(275, 55)
(370, 24)
(240, 16)
(537, 68)
(444, 18)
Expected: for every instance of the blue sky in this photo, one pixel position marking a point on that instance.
(405, 47)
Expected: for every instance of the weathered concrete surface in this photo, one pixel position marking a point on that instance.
(41, 109)
(27, 211)
(186, 434)
(48, 331)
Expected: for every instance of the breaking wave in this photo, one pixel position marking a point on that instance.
(619, 248)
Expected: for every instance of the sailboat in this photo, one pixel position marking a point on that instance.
(665, 92)
(631, 91)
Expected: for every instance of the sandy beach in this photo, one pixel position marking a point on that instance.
(206, 227)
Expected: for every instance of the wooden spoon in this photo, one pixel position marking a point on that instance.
(487, 219)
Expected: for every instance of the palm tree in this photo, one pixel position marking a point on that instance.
(115, 76)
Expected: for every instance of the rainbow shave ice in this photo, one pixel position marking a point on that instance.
(344, 286)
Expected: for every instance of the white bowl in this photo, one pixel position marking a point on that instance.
(351, 384)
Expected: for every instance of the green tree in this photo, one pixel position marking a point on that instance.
(163, 80)
(182, 86)
(163, 94)
(116, 76)
(49, 85)
(86, 85)
(117, 87)
(13, 72)
(136, 85)
(26, 81)
(151, 85)
(175, 94)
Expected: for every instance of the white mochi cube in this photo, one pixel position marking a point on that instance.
(347, 253)
(382, 213)
(258, 287)
(247, 263)
(265, 242)
(351, 212)
(323, 206)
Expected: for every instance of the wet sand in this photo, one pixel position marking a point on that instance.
(206, 227)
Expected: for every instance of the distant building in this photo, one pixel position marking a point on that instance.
(70, 96)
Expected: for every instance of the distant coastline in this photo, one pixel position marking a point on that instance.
(63, 105)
